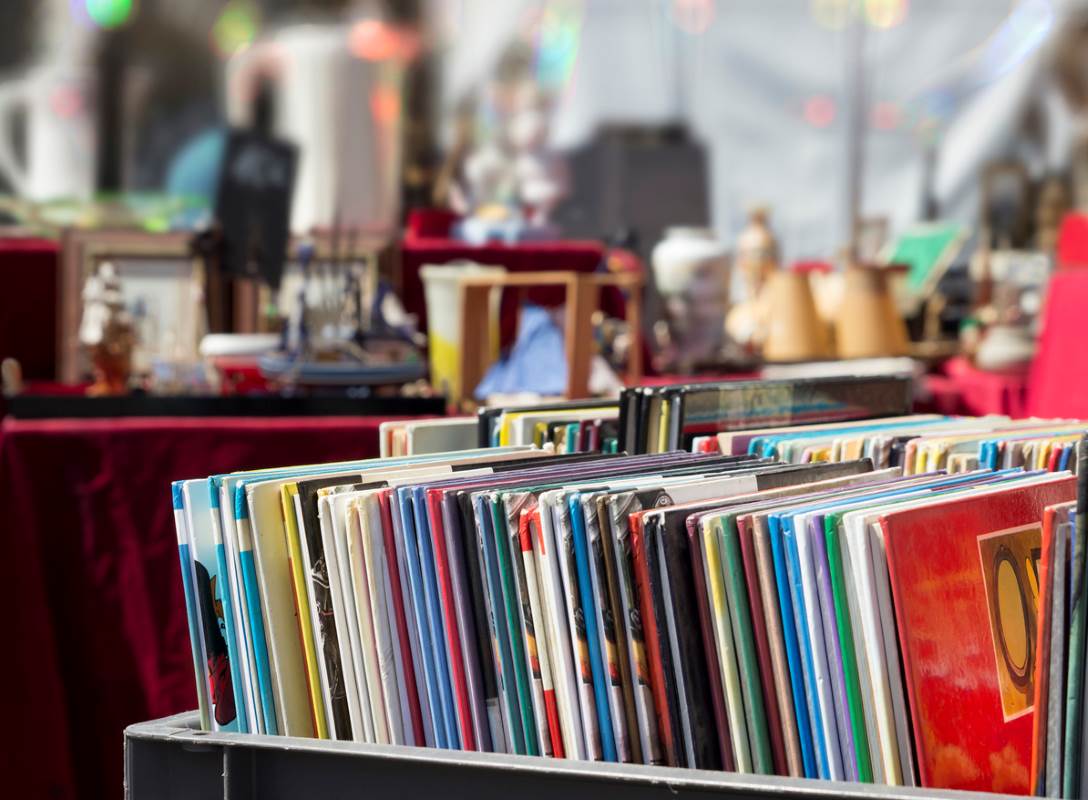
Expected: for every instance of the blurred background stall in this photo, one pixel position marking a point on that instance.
(331, 213)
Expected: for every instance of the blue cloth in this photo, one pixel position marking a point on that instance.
(536, 363)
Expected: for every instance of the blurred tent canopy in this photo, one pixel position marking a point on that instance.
(770, 88)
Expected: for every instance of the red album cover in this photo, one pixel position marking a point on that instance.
(1055, 457)
(964, 577)
(649, 627)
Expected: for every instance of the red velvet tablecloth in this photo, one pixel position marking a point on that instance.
(96, 635)
(962, 388)
(28, 305)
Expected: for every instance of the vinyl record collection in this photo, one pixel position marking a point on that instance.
(894, 600)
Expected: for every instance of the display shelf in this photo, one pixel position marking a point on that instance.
(170, 759)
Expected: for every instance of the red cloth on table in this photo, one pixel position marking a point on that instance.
(577, 256)
(965, 389)
(1059, 373)
(1072, 247)
(96, 627)
(28, 305)
(430, 223)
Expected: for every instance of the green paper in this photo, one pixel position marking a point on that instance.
(923, 250)
(513, 621)
(846, 644)
(741, 615)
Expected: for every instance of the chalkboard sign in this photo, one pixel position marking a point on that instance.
(253, 204)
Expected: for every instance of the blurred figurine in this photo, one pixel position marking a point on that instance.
(691, 273)
(540, 176)
(107, 332)
(449, 191)
(488, 179)
(510, 180)
(755, 261)
(757, 252)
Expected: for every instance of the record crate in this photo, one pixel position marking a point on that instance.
(171, 759)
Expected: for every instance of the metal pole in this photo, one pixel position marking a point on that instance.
(857, 107)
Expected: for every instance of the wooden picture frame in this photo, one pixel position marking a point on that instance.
(229, 304)
(142, 260)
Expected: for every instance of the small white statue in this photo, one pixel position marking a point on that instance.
(107, 332)
(510, 177)
(756, 260)
(541, 177)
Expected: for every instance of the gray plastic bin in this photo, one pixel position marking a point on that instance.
(170, 759)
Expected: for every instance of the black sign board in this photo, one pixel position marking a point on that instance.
(253, 204)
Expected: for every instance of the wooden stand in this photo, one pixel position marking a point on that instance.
(583, 297)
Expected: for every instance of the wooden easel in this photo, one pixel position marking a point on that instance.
(583, 298)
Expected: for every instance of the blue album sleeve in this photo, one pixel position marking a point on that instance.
(434, 616)
(589, 606)
(426, 648)
(793, 655)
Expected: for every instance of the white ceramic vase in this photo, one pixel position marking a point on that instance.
(691, 272)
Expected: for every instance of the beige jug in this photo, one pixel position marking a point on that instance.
(795, 331)
(868, 325)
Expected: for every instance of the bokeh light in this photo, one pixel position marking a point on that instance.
(374, 40)
(555, 36)
(819, 111)
(385, 104)
(886, 116)
(885, 13)
(109, 13)
(235, 28)
(692, 16)
(67, 102)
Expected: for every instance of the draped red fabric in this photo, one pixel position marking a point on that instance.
(1058, 384)
(1072, 249)
(28, 305)
(89, 578)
